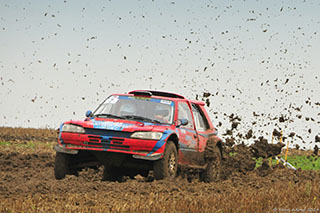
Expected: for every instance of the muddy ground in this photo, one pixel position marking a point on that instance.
(27, 183)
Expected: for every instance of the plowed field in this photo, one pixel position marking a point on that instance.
(27, 184)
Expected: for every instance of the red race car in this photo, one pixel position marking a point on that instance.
(138, 132)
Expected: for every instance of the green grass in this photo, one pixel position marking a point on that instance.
(30, 144)
(305, 162)
(4, 143)
(298, 161)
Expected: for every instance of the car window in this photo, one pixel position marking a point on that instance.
(127, 109)
(199, 118)
(185, 113)
(160, 110)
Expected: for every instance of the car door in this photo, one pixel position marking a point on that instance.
(188, 140)
(203, 129)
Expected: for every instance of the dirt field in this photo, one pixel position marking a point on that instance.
(27, 184)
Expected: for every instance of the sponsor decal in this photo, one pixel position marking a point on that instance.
(165, 102)
(109, 125)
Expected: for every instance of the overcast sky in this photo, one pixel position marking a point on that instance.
(61, 58)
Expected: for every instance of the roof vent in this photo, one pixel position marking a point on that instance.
(156, 93)
(141, 93)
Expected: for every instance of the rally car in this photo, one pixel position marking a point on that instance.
(138, 132)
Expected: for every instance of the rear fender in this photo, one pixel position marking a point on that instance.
(215, 140)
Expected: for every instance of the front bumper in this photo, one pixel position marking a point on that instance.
(62, 149)
(140, 149)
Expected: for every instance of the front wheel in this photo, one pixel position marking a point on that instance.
(167, 166)
(61, 165)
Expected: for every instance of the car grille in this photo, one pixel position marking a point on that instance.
(102, 142)
(109, 133)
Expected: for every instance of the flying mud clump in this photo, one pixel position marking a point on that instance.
(241, 158)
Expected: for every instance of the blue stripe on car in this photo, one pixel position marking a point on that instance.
(62, 142)
(161, 142)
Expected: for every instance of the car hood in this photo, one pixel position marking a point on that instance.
(119, 125)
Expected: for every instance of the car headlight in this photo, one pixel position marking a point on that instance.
(147, 135)
(72, 128)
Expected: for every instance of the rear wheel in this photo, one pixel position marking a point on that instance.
(212, 172)
(61, 166)
(167, 166)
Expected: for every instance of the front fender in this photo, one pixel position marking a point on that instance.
(161, 144)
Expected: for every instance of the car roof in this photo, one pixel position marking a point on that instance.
(161, 94)
(198, 102)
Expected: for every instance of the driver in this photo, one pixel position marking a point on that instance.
(127, 109)
(161, 115)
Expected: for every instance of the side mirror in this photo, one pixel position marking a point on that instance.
(182, 122)
(89, 113)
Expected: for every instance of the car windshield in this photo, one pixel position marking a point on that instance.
(137, 108)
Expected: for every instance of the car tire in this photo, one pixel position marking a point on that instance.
(212, 172)
(144, 173)
(61, 165)
(167, 166)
